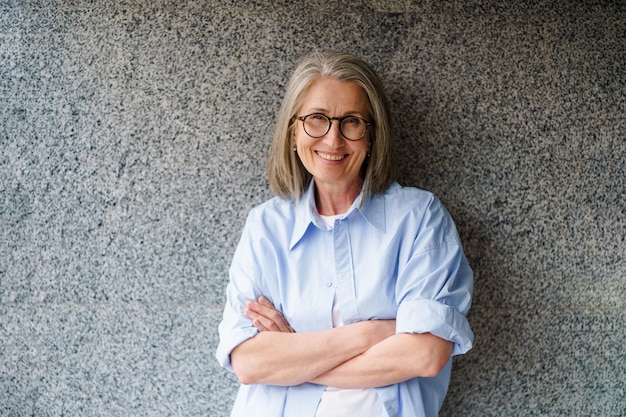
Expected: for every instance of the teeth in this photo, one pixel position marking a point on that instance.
(330, 157)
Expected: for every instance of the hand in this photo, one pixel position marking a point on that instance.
(265, 317)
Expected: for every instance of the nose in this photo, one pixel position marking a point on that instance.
(333, 137)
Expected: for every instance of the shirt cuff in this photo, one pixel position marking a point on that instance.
(429, 316)
(230, 341)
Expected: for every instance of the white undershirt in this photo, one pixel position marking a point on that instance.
(339, 402)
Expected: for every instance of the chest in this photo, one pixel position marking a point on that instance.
(349, 266)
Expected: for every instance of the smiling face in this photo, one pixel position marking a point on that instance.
(332, 160)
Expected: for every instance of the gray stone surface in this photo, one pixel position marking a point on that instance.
(133, 137)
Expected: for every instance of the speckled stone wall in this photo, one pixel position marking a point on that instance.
(133, 137)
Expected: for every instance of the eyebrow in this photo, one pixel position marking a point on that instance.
(325, 112)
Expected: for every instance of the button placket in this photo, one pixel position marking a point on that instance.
(344, 282)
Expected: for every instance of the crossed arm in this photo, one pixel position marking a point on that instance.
(359, 355)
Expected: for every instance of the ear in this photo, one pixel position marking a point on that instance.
(293, 139)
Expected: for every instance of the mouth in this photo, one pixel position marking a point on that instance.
(330, 157)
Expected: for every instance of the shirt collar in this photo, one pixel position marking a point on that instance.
(373, 210)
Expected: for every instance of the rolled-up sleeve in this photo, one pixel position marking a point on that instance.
(435, 283)
(428, 316)
(235, 327)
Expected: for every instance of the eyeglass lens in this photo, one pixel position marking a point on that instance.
(317, 125)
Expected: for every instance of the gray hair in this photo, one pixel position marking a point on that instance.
(288, 177)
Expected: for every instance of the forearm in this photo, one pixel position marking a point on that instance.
(396, 359)
(279, 358)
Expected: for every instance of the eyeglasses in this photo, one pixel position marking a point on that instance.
(317, 125)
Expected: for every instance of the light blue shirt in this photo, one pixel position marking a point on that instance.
(398, 256)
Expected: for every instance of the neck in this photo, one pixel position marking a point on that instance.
(335, 200)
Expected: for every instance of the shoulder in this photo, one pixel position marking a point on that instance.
(268, 225)
(415, 209)
(402, 198)
(275, 211)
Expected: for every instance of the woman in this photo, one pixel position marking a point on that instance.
(348, 293)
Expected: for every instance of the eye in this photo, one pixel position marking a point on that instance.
(317, 116)
(351, 120)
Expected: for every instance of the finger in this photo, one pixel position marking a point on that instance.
(265, 310)
(249, 313)
(271, 318)
(279, 322)
(265, 324)
(262, 306)
(265, 302)
(257, 323)
(257, 320)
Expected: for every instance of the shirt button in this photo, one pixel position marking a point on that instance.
(329, 284)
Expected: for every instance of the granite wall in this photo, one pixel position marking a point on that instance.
(133, 137)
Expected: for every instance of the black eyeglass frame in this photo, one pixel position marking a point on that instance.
(330, 124)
